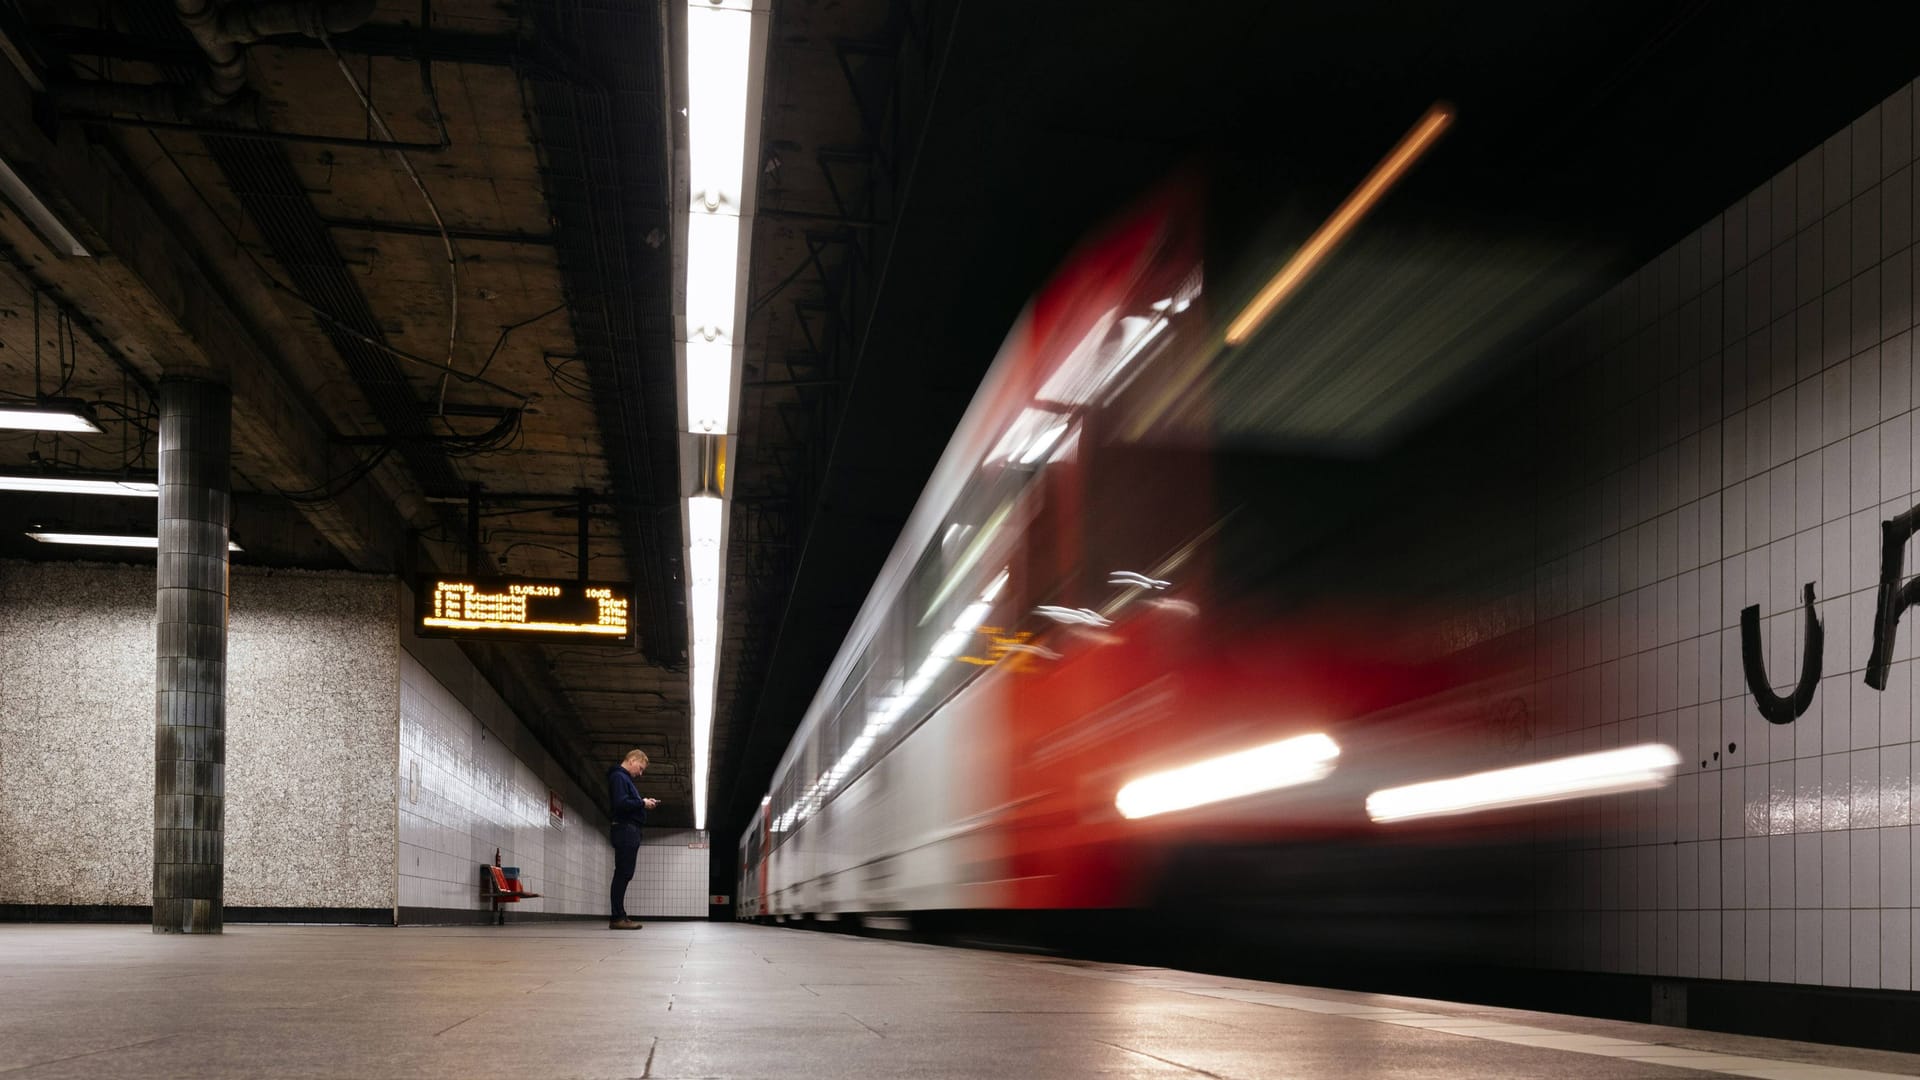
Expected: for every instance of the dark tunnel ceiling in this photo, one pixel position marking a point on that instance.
(926, 163)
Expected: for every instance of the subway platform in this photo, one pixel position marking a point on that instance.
(683, 1000)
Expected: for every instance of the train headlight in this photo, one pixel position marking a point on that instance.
(1289, 762)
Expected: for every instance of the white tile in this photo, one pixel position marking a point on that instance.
(1865, 575)
(1896, 866)
(1807, 865)
(1896, 783)
(1757, 890)
(1836, 949)
(1809, 425)
(1896, 311)
(1711, 945)
(1781, 866)
(1866, 948)
(1734, 950)
(1864, 450)
(1896, 948)
(1897, 700)
(1836, 870)
(1866, 867)
(1865, 771)
(1733, 812)
(1711, 874)
(1783, 440)
(1782, 944)
(1863, 722)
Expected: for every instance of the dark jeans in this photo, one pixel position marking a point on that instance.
(626, 847)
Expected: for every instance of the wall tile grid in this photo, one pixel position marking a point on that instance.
(670, 875)
(1732, 423)
(465, 794)
(310, 729)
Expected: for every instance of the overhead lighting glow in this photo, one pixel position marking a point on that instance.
(47, 418)
(1608, 772)
(106, 540)
(1289, 762)
(709, 386)
(1335, 229)
(719, 47)
(74, 485)
(724, 40)
(713, 264)
(706, 522)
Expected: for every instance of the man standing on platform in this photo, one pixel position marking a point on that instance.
(629, 813)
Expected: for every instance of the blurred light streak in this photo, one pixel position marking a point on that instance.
(1336, 228)
(1299, 760)
(1608, 772)
(1073, 616)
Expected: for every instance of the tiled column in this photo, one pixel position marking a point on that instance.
(190, 708)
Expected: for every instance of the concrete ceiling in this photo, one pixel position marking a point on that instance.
(924, 163)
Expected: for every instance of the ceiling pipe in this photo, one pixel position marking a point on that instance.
(221, 30)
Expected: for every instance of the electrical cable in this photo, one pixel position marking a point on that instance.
(506, 330)
(334, 487)
(446, 239)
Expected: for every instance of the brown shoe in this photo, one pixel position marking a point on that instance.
(623, 924)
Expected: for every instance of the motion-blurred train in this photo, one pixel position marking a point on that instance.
(1142, 641)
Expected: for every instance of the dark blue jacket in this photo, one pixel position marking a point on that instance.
(624, 797)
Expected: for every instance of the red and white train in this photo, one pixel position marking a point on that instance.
(1105, 642)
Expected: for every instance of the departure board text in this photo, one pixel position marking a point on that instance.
(517, 609)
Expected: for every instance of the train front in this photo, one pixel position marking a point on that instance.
(1221, 624)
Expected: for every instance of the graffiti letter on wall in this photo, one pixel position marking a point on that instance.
(1895, 598)
(1775, 708)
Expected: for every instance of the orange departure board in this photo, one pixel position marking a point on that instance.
(524, 609)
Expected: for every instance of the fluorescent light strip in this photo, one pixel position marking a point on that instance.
(74, 485)
(1335, 229)
(709, 385)
(1299, 760)
(1608, 772)
(107, 540)
(719, 47)
(722, 103)
(46, 418)
(706, 520)
(44, 220)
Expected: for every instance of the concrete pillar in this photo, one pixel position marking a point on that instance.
(190, 707)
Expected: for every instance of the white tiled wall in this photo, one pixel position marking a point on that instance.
(670, 875)
(1732, 422)
(465, 794)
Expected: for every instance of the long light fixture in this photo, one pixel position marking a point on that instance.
(1335, 229)
(1633, 768)
(77, 485)
(43, 219)
(49, 416)
(1287, 763)
(106, 540)
(723, 64)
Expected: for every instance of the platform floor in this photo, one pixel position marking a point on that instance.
(682, 1000)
